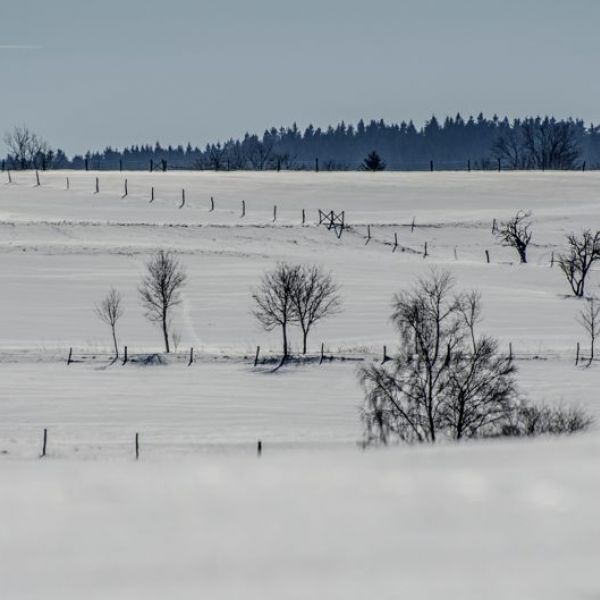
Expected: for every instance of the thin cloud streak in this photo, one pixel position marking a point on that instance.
(19, 47)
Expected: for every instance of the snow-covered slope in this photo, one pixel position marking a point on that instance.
(200, 516)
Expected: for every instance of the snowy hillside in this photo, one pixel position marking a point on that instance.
(315, 517)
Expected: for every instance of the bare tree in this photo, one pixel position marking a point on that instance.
(446, 380)
(516, 233)
(274, 306)
(160, 289)
(314, 297)
(110, 310)
(508, 147)
(589, 318)
(26, 148)
(576, 264)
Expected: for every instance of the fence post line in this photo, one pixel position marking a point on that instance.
(243, 209)
(191, 356)
(37, 178)
(425, 252)
(577, 355)
(274, 213)
(212, 204)
(125, 189)
(70, 355)
(137, 446)
(124, 354)
(152, 194)
(303, 216)
(487, 256)
(97, 185)
(256, 355)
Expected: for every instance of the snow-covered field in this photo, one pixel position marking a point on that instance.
(315, 517)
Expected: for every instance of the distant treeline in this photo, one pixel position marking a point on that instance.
(454, 144)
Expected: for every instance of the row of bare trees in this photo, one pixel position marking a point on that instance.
(159, 292)
(447, 381)
(300, 295)
(583, 249)
(536, 143)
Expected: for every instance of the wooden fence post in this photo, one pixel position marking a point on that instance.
(124, 354)
(124, 190)
(191, 356)
(412, 226)
(259, 448)
(494, 226)
(152, 194)
(552, 259)
(256, 355)
(243, 209)
(9, 176)
(577, 355)
(455, 254)
(97, 185)
(212, 204)
(44, 443)
(395, 242)
(368, 234)
(69, 361)
(303, 216)
(68, 184)
(274, 213)
(137, 446)
(37, 179)
(487, 256)
(182, 199)
(425, 253)
(322, 353)
(510, 352)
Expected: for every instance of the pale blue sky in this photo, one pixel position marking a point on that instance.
(88, 74)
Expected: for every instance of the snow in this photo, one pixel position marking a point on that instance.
(315, 516)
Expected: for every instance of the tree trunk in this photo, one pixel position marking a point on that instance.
(285, 343)
(165, 333)
(304, 339)
(114, 336)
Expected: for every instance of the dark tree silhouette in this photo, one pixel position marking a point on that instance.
(446, 380)
(110, 310)
(583, 252)
(273, 300)
(315, 296)
(516, 233)
(160, 289)
(373, 162)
